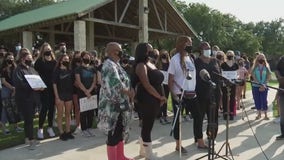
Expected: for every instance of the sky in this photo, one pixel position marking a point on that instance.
(247, 10)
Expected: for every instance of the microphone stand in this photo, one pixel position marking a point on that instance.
(226, 144)
(212, 127)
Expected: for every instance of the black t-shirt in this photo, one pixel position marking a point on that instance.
(202, 87)
(7, 75)
(87, 76)
(45, 70)
(226, 67)
(64, 79)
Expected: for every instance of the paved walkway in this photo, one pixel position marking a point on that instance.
(242, 142)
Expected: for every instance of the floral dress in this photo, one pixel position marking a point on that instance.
(114, 79)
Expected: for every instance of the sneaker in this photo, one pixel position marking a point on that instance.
(162, 121)
(187, 118)
(77, 130)
(63, 136)
(27, 141)
(50, 132)
(85, 133)
(166, 120)
(19, 129)
(69, 135)
(31, 145)
(91, 131)
(280, 137)
(40, 134)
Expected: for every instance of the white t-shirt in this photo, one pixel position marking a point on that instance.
(179, 76)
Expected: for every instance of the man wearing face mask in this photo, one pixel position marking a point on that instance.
(205, 61)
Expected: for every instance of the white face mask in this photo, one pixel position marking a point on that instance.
(207, 53)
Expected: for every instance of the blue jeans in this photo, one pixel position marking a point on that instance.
(260, 98)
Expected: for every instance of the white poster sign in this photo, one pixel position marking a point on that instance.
(35, 81)
(230, 74)
(88, 103)
(166, 76)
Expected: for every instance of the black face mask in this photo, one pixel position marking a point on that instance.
(152, 55)
(9, 61)
(261, 61)
(188, 49)
(86, 61)
(219, 57)
(65, 63)
(230, 57)
(28, 62)
(163, 56)
(47, 53)
(63, 50)
(77, 60)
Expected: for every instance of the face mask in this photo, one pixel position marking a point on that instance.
(188, 49)
(207, 53)
(230, 57)
(9, 61)
(28, 62)
(18, 48)
(86, 61)
(65, 63)
(261, 61)
(77, 60)
(63, 50)
(152, 55)
(220, 57)
(163, 56)
(47, 53)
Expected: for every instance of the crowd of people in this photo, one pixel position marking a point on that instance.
(123, 85)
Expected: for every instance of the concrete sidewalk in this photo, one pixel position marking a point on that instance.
(242, 141)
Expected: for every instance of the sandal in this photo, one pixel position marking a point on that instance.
(266, 118)
(202, 147)
(183, 150)
(257, 117)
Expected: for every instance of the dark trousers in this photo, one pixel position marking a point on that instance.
(164, 107)
(86, 119)
(48, 108)
(27, 109)
(115, 137)
(192, 105)
(212, 116)
(148, 115)
(231, 103)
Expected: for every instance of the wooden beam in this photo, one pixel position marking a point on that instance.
(52, 31)
(113, 38)
(164, 32)
(124, 11)
(112, 23)
(157, 14)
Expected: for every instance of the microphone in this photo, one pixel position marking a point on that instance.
(188, 75)
(205, 76)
